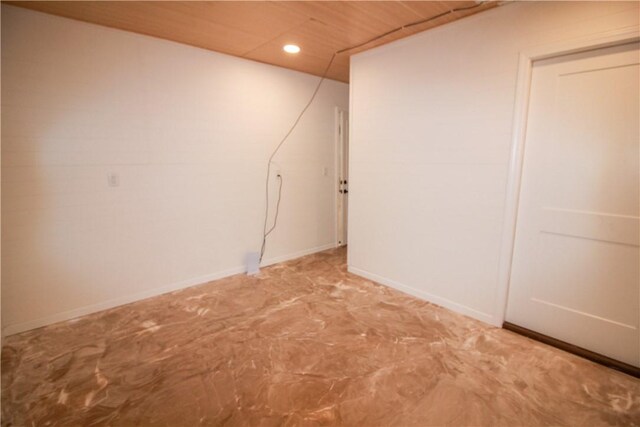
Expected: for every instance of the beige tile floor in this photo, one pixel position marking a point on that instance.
(304, 343)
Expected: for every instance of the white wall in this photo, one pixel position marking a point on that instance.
(188, 132)
(431, 127)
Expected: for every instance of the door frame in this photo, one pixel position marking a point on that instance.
(339, 154)
(516, 158)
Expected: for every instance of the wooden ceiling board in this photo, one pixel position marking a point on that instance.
(432, 9)
(257, 30)
(315, 38)
(428, 9)
(260, 18)
(361, 19)
(158, 19)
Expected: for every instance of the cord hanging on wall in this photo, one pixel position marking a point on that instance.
(265, 232)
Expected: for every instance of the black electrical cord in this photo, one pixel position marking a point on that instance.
(275, 220)
(265, 233)
(413, 24)
(266, 212)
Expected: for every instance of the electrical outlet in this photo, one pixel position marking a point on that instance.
(113, 180)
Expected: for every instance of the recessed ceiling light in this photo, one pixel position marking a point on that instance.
(291, 48)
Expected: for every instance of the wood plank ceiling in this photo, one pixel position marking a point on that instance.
(257, 30)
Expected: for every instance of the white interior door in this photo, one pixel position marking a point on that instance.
(343, 176)
(576, 265)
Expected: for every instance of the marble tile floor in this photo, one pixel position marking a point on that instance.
(304, 343)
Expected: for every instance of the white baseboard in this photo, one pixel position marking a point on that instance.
(443, 302)
(105, 305)
(288, 257)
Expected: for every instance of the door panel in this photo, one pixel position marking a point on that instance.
(576, 264)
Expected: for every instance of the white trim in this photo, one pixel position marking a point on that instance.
(336, 175)
(342, 119)
(521, 110)
(105, 305)
(295, 255)
(443, 302)
(350, 136)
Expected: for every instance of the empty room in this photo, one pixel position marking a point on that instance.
(320, 213)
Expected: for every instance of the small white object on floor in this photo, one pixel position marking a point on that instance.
(253, 263)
